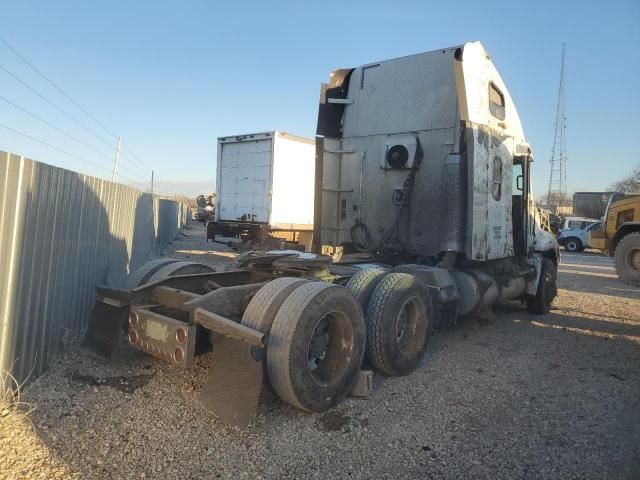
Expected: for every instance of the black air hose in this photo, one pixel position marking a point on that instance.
(390, 241)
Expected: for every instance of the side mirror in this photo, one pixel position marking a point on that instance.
(520, 182)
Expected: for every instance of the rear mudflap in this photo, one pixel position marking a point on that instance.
(106, 326)
(234, 384)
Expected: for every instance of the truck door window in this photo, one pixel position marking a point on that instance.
(496, 102)
(624, 216)
(517, 208)
(496, 183)
(517, 178)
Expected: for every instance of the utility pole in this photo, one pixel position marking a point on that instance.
(153, 216)
(115, 163)
(557, 193)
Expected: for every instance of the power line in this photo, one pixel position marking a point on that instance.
(63, 151)
(137, 164)
(64, 113)
(77, 104)
(146, 167)
(54, 85)
(18, 79)
(54, 127)
(137, 175)
(160, 191)
(86, 145)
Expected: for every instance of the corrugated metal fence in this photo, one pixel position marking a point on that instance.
(62, 233)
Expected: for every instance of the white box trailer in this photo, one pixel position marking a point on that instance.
(265, 182)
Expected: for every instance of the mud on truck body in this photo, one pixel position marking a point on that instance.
(422, 169)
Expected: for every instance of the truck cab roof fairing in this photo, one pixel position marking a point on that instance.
(476, 80)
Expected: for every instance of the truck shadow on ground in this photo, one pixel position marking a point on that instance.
(593, 282)
(577, 321)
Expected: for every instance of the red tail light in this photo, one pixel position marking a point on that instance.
(178, 355)
(181, 335)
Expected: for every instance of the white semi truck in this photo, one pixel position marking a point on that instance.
(422, 169)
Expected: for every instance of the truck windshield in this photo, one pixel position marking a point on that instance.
(594, 226)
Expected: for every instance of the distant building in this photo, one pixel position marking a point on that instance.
(590, 204)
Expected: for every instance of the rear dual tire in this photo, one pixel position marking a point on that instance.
(397, 320)
(318, 334)
(363, 283)
(262, 310)
(316, 346)
(264, 306)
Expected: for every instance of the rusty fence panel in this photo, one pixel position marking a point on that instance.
(62, 233)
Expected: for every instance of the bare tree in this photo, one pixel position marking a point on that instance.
(630, 183)
(558, 202)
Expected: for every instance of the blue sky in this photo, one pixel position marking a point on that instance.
(170, 77)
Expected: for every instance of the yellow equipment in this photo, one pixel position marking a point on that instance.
(619, 236)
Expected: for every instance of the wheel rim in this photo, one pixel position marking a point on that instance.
(329, 347)
(634, 259)
(571, 246)
(407, 325)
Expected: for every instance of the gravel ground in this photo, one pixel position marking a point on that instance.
(516, 397)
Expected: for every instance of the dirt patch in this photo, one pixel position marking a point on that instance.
(123, 384)
(333, 421)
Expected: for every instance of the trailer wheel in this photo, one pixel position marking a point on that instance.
(178, 268)
(546, 291)
(627, 257)
(363, 283)
(316, 346)
(398, 318)
(140, 275)
(263, 307)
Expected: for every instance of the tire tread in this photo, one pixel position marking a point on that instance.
(628, 238)
(363, 283)
(280, 342)
(264, 306)
(377, 320)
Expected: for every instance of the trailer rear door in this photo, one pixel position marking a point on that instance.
(245, 180)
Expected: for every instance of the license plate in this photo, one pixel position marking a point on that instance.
(156, 330)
